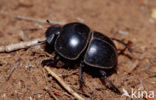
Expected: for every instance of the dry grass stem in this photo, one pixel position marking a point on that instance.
(12, 70)
(76, 95)
(40, 20)
(21, 45)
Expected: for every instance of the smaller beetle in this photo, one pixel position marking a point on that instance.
(76, 42)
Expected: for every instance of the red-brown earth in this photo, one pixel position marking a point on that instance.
(128, 20)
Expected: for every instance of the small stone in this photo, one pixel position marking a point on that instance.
(28, 66)
(80, 19)
(147, 66)
(30, 98)
(125, 33)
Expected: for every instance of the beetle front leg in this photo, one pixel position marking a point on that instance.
(103, 73)
(51, 62)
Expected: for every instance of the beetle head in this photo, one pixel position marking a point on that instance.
(51, 33)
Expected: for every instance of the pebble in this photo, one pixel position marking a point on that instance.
(125, 33)
(28, 66)
(80, 19)
(30, 98)
(147, 66)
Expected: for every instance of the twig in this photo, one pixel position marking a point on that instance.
(64, 93)
(12, 70)
(78, 91)
(77, 96)
(51, 94)
(151, 74)
(39, 20)
(21, 45)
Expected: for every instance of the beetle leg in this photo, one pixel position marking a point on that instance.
(56, 59)
(103, 73)
(49, 62)
(81, 75)
(126, 45)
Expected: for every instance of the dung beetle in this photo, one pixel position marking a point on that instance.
(75, 41)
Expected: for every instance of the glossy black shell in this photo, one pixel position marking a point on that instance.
(72, 41)
(101, 52)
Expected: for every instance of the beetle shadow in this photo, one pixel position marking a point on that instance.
(64, 63)
(94, 72)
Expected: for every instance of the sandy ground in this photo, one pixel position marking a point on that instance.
(128, 20)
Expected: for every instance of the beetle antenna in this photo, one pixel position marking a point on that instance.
(48, 21)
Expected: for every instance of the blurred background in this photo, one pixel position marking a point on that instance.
(133, 21)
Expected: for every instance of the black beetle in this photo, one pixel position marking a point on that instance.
(76, 41)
